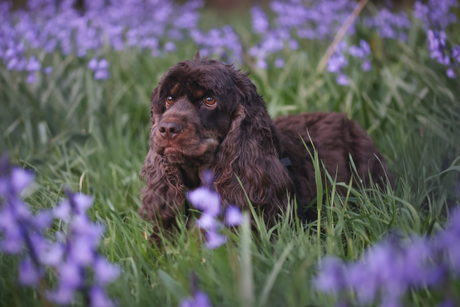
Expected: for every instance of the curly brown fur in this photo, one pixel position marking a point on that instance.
(235, 137)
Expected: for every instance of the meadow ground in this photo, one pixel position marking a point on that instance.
(92, 135)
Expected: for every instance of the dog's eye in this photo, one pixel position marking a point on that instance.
(169, 100)
(210, 101)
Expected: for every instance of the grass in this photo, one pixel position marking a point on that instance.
(93, 136)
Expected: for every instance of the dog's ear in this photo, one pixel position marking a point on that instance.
(154, 96)
(249, 153)
(196, 56)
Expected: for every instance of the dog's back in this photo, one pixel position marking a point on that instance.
(336, 139)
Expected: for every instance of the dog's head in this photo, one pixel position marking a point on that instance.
(193, 108)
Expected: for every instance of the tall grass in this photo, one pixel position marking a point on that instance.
(93, 136)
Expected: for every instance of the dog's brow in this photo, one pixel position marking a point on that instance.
(198, 93)
(174, 89)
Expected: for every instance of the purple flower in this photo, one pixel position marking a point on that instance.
(450, 73)
(200, 299)
(214, 239)
(366, 66)
(71, 275)
(279, 63)
(262, 64)
(92, 64)
(233, 216)
(99, 298)
(259, 20)
(42, 220)
(205, 200)
(20, 179)
(170, 46)
(30, 78)
(331, 278)
(207, 222)
(101, 74)
(63, 295)
(80, 201)
(342, 80)
(356, 52)
(103, 64)
(293, 44)
(208, 178)
(29, 274)
(104, 271)
(336, 62)
(365, 47)
(33, 65)
(52, 255)
(456, 53)
(48, 70)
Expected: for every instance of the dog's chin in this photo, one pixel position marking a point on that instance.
(177, 156)
(173, 155)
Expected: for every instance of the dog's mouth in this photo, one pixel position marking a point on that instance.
(170, 150)
(176, 153)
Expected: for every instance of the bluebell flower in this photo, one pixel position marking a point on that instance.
(293, 44)
(207, 222)
(170, 46)
(342, 79)
(33, 64)
(451, 73)
(205, 200)
(30, 78)
(104, 271)
(336, 63)
(356, 51)
(331, 278)
(29, 274)
(200, 299)
(233, 216)
(214, 239)
(99, 298)
(92, 64)
(63, 295)
(456, 53)
(259, 20)
(262, 64)
(279, 63)
(366, 65)
(48, 70)
(365, 47)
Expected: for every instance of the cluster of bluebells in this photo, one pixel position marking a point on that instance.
(69, 255)
(338, 60)
(219, 42)
(436, 15)
(208, 202)
(388, 24)
(316, 20)
(100, 68)
(149, 26)
(389, 270)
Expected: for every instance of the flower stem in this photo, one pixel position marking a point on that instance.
(340, 34)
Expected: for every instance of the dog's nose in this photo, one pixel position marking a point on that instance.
(169, 130)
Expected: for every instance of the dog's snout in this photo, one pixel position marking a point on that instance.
(169, 130)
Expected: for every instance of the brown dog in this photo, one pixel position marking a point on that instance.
(207, 115)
